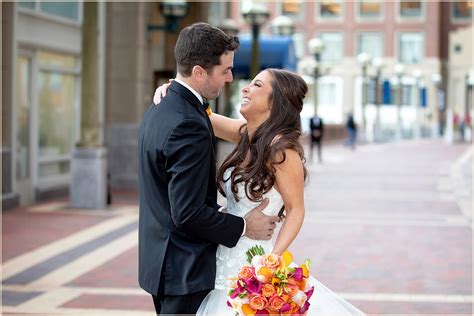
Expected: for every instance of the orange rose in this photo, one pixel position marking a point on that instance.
(246, 272)
(268, 290)
(271, 261)
(276, 303)
(258, 302)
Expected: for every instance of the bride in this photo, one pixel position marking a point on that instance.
(267, 162)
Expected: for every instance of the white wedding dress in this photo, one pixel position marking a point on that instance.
(230, 260)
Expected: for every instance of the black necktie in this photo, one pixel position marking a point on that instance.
(205, 104)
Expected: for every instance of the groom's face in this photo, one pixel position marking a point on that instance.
(218, 76)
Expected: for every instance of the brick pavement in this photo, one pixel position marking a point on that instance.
(388, 227)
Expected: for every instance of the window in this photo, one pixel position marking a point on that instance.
(27, 4)
(330, 9)
(461, 10)
(57, 117)
(67, 9)
(369, 9)
(370, 43)
(411, 48)
(333, 47)
(411, 9)
(294, 9)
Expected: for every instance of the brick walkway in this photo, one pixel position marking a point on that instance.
(388, 227)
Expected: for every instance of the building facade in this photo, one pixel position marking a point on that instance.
(412, 33)
(42, 70)
(41, 106)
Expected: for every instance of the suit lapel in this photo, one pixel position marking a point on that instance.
(191, 98)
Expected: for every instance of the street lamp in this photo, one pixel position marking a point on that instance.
(469, 96)
(378, 65)
(437, 82)
(230, 27)
(364, 60)
(173, 11)
(256, 16)
(399, 68)
(283, 26)
(418, 75)
(315, 47)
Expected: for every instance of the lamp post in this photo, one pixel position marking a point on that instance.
(173, 11)
(469, 97)
(256, 16)
(364, 61)
(283, 26)
(437, 81)
(315, 46)
(398, 68)
(230, 27)
(418, 75)
(378, 65)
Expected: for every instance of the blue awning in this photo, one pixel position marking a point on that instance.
(275, 52)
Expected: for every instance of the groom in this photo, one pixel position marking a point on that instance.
(180, 223)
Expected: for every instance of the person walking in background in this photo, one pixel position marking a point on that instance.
(316, 126)
(351, 131)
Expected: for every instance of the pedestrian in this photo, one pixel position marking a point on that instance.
(316, 126)
(351, 131)
(180, 222)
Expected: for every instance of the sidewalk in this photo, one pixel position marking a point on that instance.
(388, 227)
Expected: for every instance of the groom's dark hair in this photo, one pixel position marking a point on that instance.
(202, 44)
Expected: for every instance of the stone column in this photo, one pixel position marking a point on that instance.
(9, 197)
(88, 187)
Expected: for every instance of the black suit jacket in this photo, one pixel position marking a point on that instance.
(317, 128)
(179, 222)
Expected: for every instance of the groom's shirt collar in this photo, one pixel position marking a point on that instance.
(190, 89)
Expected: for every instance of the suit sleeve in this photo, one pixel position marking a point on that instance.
(189, 157)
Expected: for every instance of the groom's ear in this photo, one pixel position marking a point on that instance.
(199, 73)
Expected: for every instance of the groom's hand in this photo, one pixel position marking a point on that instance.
(259, 225)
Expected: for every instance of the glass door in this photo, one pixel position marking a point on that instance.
(23, 143)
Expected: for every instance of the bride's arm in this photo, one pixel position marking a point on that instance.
(224, 127)
(290, 183)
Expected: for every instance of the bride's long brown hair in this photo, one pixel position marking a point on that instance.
(266, 148)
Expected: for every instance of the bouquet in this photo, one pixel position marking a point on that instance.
(270, 284)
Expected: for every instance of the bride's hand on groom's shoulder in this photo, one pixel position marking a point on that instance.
(160, 92)
(260, 226)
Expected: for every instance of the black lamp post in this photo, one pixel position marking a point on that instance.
(399, 68)
(174, 12)
(364, 61)
(230, 27)
(256, 16)
(469, 97)
(378, 64)
(315, 47)
(439, 105)
(418, 74)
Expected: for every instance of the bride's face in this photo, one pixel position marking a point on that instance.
(255, 106)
